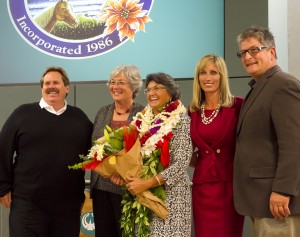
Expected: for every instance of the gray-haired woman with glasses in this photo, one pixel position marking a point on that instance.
(124, 84)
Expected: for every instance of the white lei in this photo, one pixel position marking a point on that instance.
(148, 122)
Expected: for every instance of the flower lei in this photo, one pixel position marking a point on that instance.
(155, 135)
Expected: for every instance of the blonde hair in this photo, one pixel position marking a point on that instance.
(226, 98)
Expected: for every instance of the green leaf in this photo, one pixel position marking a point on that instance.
(118, 134)
(153, 164)
(116, 144)
(108, 128)
(106, 135)
(153, 170)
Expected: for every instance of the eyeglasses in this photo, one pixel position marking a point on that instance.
(117, 83)
(155, 89)
(252, 51)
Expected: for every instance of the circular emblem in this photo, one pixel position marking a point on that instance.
(79, 28)
(87, 225)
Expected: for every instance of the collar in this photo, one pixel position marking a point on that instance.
(43, 104)
(252, 83)
(268, 73)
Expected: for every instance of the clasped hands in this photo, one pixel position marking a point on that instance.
(134, 185)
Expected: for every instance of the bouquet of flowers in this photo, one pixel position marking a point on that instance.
(119, 152)
(105, 147)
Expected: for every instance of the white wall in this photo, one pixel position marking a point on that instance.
(284, 22)
(294, 37)
(278, 24)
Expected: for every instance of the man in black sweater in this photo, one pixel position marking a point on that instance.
(37, 143)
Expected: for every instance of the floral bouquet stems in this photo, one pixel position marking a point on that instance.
(119, 152)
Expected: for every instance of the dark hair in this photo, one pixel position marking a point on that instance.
(63, 73)
(167, 81)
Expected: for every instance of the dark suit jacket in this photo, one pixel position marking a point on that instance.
(267, 154)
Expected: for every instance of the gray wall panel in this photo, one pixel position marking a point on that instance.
(239, 15)
(13, 96)
(239, 86)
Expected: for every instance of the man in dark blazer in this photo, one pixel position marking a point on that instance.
(267, 158)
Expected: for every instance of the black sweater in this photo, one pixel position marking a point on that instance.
(44, 145)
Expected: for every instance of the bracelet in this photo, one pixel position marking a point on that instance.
(158, 181)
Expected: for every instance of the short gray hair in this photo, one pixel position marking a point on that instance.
(132, 73)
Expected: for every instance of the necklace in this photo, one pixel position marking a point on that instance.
(126, 112)
(209, 119)
(153, 128)
(155, 133)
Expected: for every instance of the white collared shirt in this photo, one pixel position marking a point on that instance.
(50, 108)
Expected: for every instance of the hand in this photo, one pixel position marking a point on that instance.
(6, 200)
(194, 159)
(137, 185)
(279, 205)
(117, 179)
(101, 139)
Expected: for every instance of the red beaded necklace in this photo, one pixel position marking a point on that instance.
(126, 112)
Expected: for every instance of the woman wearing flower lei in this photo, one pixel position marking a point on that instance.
(166, 149)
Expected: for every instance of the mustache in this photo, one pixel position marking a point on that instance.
(51, 90)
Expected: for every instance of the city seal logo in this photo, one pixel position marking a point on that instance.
(87, 225)
(77, 29)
